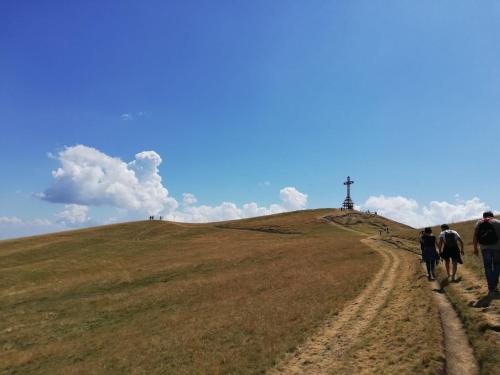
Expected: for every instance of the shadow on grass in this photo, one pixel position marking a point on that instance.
(484, 301)
(442, 284)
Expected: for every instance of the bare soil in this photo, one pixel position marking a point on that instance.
(460, 358)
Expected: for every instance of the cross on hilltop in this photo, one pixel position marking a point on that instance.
(348, 203)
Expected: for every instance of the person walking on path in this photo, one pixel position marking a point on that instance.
(421, 246)
(429, 252)
(487, 235)
(448, 245)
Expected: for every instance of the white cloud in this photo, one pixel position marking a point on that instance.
(91, 178)
(41, 222)
(442, 212)
(11, 227)
(203, 213)
(73, 215)
(10, 220)
(291, 199)
(252, 209)
(188, 199)
(135, 115)
(408, 211)
(88, 177)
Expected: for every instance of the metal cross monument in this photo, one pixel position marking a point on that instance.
(348, 203)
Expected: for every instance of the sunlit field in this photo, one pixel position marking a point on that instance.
(161, 297)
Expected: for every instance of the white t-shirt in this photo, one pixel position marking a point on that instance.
(443, 233)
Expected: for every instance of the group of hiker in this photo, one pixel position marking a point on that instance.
(385, 230)
(152, 218)
(449, 247)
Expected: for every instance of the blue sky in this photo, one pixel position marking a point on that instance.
(243, 99)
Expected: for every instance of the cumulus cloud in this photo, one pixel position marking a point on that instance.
(88, 177)
(408, 211)
(204, 213)
(291, 199)
(126, 116)
(73, 215)
(188, 199)
(442, 212)
(252, 209)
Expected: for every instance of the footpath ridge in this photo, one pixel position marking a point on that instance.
(340, 345)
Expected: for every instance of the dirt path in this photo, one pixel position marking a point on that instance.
(406, 336)
(321, 352)
(459, 354)
(383, 327)
(460, 358)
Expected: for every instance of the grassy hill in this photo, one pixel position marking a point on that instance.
(162, 297)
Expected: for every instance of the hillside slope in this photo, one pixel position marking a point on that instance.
(160, 297)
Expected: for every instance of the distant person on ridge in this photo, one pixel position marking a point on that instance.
(449, 249)
(487, 234)
(429, 252)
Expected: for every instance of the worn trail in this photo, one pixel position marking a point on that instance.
(331, 349)
(460, 358)
(321, 352)
(459, 354)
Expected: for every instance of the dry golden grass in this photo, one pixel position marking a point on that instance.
(157, 297)
(406, 337)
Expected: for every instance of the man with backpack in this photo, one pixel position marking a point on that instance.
(448, 245)
(487, 235)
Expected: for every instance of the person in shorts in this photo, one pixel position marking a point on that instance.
(451, 247)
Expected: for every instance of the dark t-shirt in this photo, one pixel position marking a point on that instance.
(496, 225)
(429, 240)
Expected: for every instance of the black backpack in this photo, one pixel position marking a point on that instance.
(449, 239)
(428, 240)
(486, 234)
